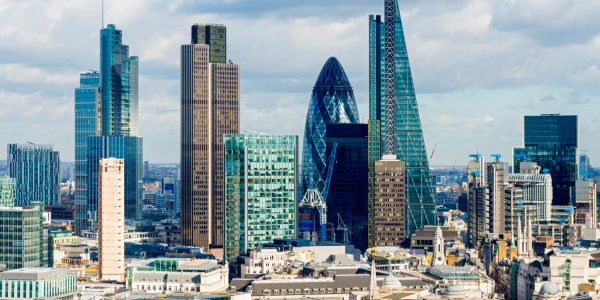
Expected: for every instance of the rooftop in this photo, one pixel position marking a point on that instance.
(34, 273)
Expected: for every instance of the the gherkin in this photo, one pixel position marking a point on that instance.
(332, 102)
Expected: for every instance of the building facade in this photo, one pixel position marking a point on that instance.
(389, 63)
(389, 205)
(88, 103)
(537, 192)
(38, 283)
(348, 187)
(36, 170)
(551, 142)
(21, 226)
(210, 98)
(497, 181)
(332, 102)
(111, 219)
(7, 192)
(261, 173)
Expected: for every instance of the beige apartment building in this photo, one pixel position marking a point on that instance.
(111, 220)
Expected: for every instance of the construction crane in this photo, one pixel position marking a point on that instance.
(496, 156)
(342, 226)
(432, 152)
(476, 156)
(312, 198)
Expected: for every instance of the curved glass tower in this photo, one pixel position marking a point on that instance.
(332, 102)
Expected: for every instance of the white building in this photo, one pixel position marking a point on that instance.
(111, 217)
(263, 261)
(38, 283)
(170, 275)
(537, 192)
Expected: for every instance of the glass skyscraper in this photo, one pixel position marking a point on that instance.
(106, 117)
(349, 190)
(7, 192)
(408, 134)
(23, 239)
(332, 102)
(214, 35)
(260, 190)
(87, 123)
(36, 170)
(551, 142)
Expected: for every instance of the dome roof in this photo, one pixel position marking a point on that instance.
(454, 290)
(391, 282)
(549, 288)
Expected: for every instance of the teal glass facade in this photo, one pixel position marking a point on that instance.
(87, 123)
(260, 191)
(409, 140)
(332, 102)
(118, 84)
(7, 192)
(23, 240)
(36, 170)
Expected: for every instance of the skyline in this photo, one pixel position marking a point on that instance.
(542, 74)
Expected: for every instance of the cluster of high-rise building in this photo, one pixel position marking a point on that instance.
(247, 215)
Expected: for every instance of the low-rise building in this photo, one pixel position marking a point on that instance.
(169, 275)
(38, 283)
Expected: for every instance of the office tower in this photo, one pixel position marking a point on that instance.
(496, 182)
(214, 35)
(332, 102)
(87, 123)
(111, 219)
(210, 99)
(584, 166)
(112, 97)
(478, 202)
(23, 238)
(36, 170)
(348, 188)
(551, 142)
(7, 192)
(390, 82)
(388, 208)
(127, 148)
(118, 84)
(585, 202)
(260, 190)
(536, 189)
(170, 186)
(514, 207)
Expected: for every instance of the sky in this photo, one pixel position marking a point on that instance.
(478, 66)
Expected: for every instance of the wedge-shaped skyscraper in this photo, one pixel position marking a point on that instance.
(332, 102)
(391, 79)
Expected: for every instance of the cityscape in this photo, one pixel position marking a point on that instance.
(375, 195)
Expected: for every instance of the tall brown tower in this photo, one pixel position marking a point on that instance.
(389, 202)
(210, 100)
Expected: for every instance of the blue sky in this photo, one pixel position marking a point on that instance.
(478, 65)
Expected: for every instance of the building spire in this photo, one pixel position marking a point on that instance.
(373, 284)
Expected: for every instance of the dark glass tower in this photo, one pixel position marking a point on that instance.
(551, 142)
(348, 190)
(332, 102)
(387, 52)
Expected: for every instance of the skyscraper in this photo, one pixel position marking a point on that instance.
(260, 190)
(87, 123)
(111, 217)
(118, 84)
(106, 116)
(36, 170)
(7, 192)
(332, 102)
(551, 142)
(348, 189)
(390, 82)
(497, 182)
(209, 110)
